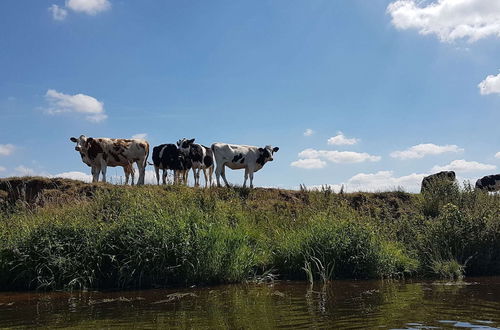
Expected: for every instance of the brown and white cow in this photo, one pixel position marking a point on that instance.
(99, 153)
(237, 157)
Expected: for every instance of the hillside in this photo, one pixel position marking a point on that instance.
(60, 233)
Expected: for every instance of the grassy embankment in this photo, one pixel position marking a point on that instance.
(57, 233)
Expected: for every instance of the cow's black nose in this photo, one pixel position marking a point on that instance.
(77, 149)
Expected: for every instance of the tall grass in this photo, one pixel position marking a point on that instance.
(138, 237)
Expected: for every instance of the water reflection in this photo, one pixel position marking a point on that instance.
(341, 304)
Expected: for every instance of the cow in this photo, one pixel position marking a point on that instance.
(489, 183)
(99, 153)
(237, 157)
(444, 176)
(169, 157)
(202, 158)
(128, 169)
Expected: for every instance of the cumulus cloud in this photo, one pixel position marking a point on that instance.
(2, 169)
(22, 170)
(6, 149)
(425, 149)
(379, 181)
(308, 132)
(58, 13)
(140, 136)
(78, 103)
(309, 163)
(335, 156)
(340, 139)
(75, 175)
(90, 7)
(497, 155)
(449, 20)
(490, 85)
(461, 165)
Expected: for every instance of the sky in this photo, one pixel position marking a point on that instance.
(372, 95)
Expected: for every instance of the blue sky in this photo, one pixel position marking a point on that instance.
(381, 76)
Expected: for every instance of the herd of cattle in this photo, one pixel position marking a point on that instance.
(99, 153)
(185, 155)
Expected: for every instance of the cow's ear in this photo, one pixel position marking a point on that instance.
(191, 141)
(73, 139)
(275, 149)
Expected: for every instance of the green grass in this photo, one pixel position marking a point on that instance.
(104, 236)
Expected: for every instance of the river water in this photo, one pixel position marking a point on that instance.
(474, 303)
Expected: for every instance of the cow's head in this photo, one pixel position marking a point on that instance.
(266, 154)
(81, 143)
(184, 143)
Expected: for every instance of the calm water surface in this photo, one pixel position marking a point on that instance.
(474, 303)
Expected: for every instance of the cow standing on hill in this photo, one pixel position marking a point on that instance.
(489, 183)
(202, 159)
(169, 157)
(237, 157)
(99, 153)
(444, 176)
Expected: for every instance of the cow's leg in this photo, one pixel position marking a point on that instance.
(210, 175)
(164, 176)
(195, 176)
(95, 173)
(103, 169)
(217, 174)
(132, 174)
(246, 177)
(141, 165)
(205, 176)
(224, 175)
(157, 172)
(185, 177)
(251, 178)
(127, 174)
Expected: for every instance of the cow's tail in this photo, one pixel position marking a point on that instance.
(147, 156)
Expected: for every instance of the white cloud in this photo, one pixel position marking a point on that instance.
(461, 165)
(309, 163)
(75, 175)
(22, 170)
(308, 132)
(78, 103)
(497, 155)
(58, 13)
(449, 20)
(2, 169)
(380, 181)
(90, 7)
(335, 156)
(340, 139)
(490, 85)
(140, 136)
(6, 149)
(422, 150)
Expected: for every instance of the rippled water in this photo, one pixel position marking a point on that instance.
(474, 303)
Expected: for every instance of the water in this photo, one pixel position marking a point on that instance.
(474, 303)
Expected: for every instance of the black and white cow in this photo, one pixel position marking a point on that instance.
(489, 183)
(202, 158)
(444, 176)
(169, 157)
(237, 157)
(99, 153)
